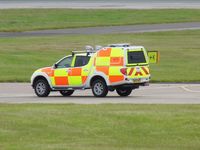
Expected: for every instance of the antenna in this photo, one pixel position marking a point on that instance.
(94, 42)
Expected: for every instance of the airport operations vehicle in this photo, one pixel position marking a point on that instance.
(119, 67)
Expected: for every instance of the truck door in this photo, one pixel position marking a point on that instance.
(61, 72)
(78, 73)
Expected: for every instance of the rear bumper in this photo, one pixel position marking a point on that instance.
(131, 83)
(137, 80)
(132, 86)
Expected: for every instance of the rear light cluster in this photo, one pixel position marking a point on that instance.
(123, 71)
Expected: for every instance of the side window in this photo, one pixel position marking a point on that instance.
(65, 63)
(81, 61)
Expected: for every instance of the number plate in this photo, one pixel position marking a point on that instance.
(137, 80)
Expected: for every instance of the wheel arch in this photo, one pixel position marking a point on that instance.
(38, 78)
(40, 75)
(95, 78)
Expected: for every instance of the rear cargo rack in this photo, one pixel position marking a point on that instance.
(88, 49)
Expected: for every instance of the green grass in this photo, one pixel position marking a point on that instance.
(37, 19)
(97, 127)
(180, 54)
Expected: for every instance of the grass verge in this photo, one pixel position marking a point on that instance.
(38, 19)
(97, 127)
(180, 54)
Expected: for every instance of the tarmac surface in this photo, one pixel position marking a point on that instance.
(107, 30)
(100, 4)
(18, 93)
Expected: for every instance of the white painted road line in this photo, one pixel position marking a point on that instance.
(186, 88)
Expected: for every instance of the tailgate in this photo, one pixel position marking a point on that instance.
(137, 68)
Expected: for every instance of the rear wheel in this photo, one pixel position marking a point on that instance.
(99, 88)
(67, 93)
(124, 91)
(42, 88)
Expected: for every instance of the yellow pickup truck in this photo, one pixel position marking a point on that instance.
(119, 67)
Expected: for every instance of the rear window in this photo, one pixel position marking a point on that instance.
(135, 57)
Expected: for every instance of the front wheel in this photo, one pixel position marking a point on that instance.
(124, 91)
(99, 88)
(67, 93)
(42, 88)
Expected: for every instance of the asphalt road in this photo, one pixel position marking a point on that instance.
(100, 4)
(153, 94)
(108, 30)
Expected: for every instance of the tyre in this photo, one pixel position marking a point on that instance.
(42, 88)
(124, 91)
(99, 88)
(67, 92)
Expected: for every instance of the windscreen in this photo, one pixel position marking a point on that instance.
(135, 57)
